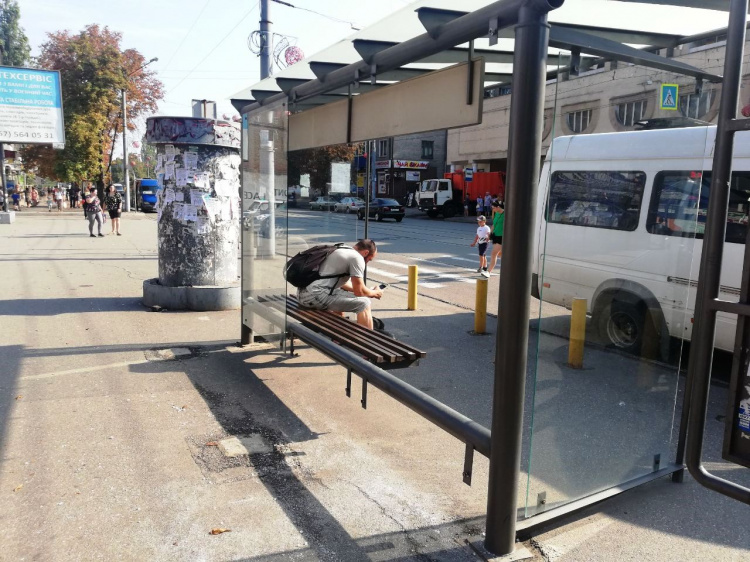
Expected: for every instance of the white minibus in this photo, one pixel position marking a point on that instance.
(621, 219)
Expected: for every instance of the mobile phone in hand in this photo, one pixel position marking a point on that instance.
(382, 286)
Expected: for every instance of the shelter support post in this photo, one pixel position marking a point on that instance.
(709, 276)
(524, 153)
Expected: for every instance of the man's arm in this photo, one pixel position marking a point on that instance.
(357, 286)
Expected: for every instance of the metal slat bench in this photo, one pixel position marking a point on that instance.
(375, 347)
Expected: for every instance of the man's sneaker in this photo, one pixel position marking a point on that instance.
(479, 270)
(485, 273)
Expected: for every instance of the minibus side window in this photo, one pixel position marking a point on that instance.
(679, 204)
(609, 199)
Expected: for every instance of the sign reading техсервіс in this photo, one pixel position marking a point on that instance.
(30, 106)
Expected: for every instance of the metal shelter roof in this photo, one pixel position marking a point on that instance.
(626, 30)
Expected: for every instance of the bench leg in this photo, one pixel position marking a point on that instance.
(364, 393)
(349, 383)
(291, 344)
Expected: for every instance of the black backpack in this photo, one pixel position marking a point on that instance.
(304, 268)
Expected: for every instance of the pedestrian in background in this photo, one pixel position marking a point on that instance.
(75, 194)
(16, 197)
(498, 225)
(27, 197)
(93, 210)
(59, 198)
(487, 202)
(480, 240)
(34, 197)
(113, 204)
(480, 205)
(467, 200)
(50, 199)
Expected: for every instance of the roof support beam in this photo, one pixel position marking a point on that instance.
(571, 40)
(453, 33)
(719, 5)
(433, 19)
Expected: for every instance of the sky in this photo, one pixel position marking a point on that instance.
(202, 45)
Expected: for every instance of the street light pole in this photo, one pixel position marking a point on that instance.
(125, 175)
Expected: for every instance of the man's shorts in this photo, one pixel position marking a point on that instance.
(338, 301)
(496, 239)
(482, 247)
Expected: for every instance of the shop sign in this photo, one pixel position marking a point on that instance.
(382, 164)
(411, 164)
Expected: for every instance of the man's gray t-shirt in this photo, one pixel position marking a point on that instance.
(343, 260)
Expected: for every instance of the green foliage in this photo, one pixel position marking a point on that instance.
(15, 44)
(94, 71)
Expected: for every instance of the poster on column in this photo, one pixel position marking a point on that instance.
(31, 107)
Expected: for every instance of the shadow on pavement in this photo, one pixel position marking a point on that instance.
(243, 405)
(53, 307)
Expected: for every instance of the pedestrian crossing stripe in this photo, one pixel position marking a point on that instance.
(668, 98)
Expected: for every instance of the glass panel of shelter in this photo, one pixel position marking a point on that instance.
(264, 220)
(616, 261)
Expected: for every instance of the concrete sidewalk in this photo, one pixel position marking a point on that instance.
(109, 449)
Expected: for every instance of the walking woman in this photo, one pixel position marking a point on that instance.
(113, 204)
(498, 224)
(93, 210)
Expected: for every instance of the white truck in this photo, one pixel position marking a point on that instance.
(438, 197)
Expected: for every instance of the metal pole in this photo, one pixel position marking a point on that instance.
(5, 180)
(265, 41)
(125, 176)
(368, 186)
(709, 275)
(525, 132)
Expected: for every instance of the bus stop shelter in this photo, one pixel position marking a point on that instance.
(385, 84)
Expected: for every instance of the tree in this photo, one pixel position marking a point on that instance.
(317, 163)
(13, 40)
(94, 72)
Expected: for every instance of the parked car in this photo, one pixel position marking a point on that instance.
(349, 205)
(324, 203)
(383, 209)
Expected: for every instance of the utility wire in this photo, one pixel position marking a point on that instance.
(189, 31)
(332, 18)
(216, 46)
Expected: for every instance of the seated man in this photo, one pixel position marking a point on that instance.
(347, 292)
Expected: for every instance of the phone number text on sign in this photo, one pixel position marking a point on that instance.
(31, 106)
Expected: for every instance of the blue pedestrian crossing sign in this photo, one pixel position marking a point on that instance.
(668, 97)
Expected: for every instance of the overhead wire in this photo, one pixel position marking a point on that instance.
(243, 18)
(332, 18)
(189, 31)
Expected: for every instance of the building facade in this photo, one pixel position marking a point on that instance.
(402, 162)
(611, 97)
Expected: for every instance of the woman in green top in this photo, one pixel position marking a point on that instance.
(498, 223)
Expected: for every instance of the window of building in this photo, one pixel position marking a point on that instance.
(427, 148)
(696, 106)
(609, 200)
(384, 147)
(679, 205)
(628, 114)
(579, 120)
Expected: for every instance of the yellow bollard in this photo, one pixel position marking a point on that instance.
(480, 307)
(412, 294)
(577, 334)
